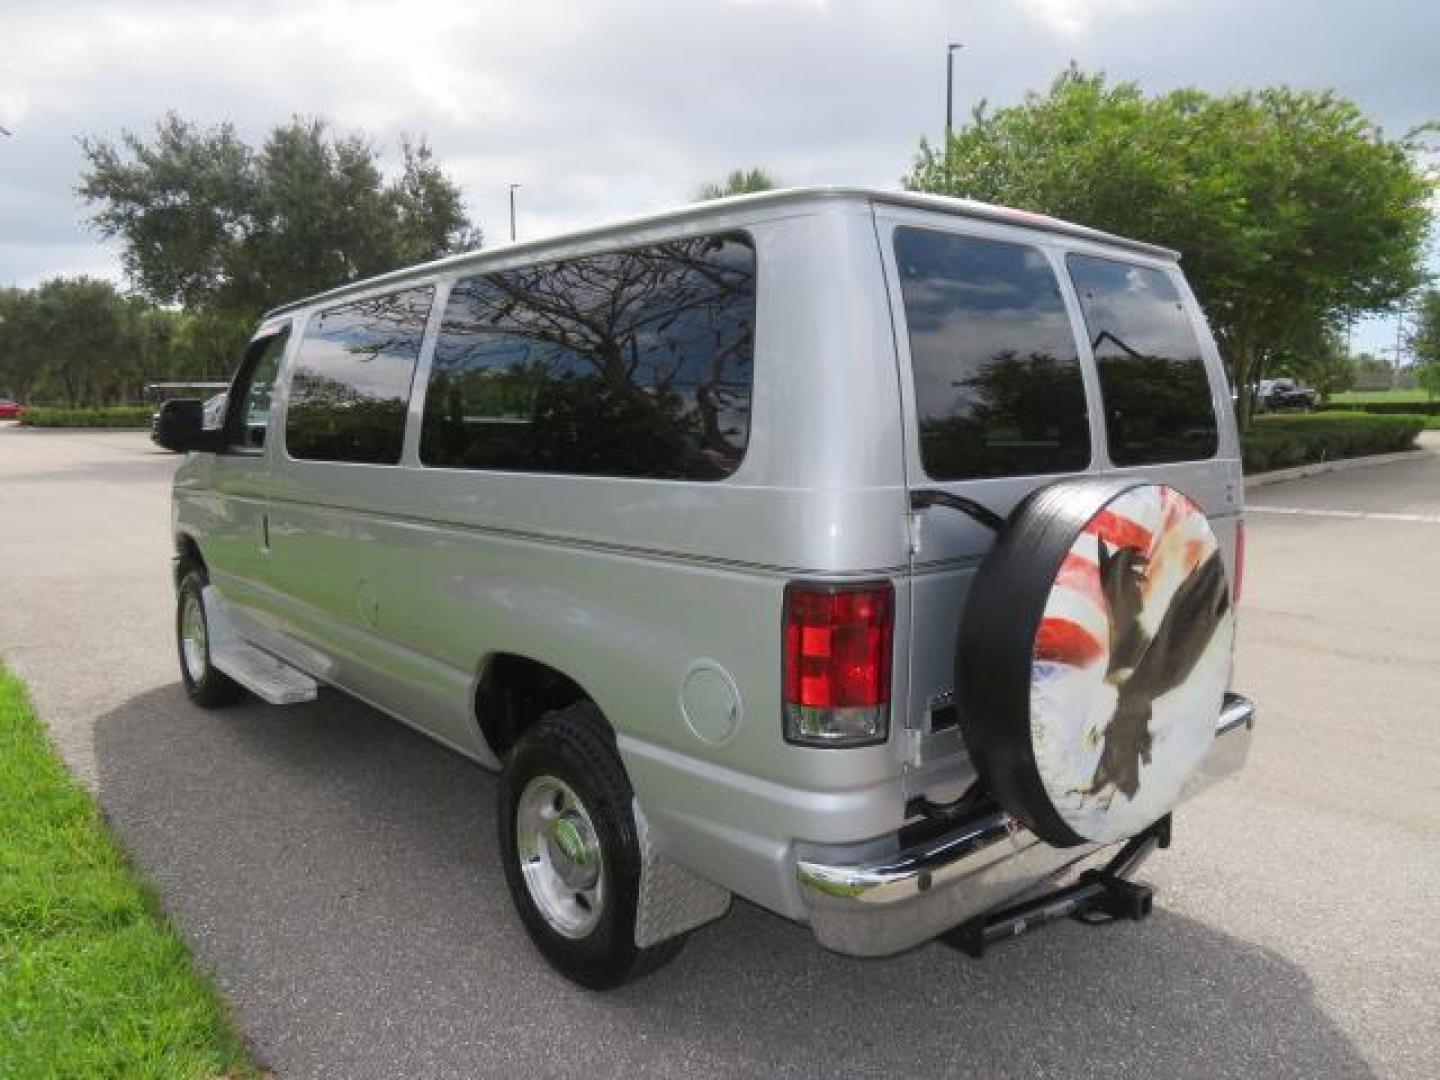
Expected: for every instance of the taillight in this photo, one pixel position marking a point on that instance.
(837, 663)
(1239, 561)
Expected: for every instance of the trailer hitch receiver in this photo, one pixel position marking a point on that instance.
(1099, 896)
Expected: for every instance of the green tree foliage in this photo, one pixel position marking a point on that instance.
(1425, 338)
(1425, 343)
(211, 223)
(79, 341)
(739, 182)
(1291, 209)
(1329, 369)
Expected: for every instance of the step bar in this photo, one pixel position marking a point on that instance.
(263, 674)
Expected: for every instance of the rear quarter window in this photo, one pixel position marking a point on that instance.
(998, 387)
(1156, 392)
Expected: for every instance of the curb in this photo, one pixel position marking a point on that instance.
(1338, 465)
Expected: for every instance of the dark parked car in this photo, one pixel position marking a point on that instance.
(1282, 395)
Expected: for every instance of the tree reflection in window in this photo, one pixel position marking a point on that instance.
(1158, 404)
(351, 384)
(631, 363)
(997, 372)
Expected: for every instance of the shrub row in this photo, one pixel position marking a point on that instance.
(112, 416)
(1386, 408)
(1281, 442)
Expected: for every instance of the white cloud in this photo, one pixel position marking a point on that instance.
(607, 108)
(1074, 17)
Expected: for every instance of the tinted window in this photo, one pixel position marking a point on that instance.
(1158, 405)
(997, 372)
(633, 363)
(351, 381)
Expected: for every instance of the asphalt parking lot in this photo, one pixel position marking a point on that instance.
(337, 872)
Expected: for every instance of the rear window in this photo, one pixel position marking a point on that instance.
(1158, 404)
(630, 363)
(351, 386)
(998, 387)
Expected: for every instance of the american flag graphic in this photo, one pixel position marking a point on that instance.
(1076, 629)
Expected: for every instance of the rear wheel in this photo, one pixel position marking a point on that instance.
(205, 684)
(568, 841)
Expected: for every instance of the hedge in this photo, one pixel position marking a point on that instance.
(1385, 408)
(1283, 441)
(112, 416)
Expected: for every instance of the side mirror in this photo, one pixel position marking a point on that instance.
(181, 426)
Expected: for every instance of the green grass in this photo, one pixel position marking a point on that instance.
(94, 982)
(1379, 397)
(1285, 440)
(111, 416)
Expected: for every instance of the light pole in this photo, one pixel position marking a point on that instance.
(512, 211)
(950, 90)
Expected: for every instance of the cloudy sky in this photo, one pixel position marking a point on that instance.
(607, 108)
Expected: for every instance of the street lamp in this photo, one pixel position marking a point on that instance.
(950, 89)
(512, 211)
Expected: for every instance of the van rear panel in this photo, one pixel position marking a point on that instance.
(1026, 356)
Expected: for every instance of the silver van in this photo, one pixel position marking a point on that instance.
(872, 556)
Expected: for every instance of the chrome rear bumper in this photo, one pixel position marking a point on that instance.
(879, 904)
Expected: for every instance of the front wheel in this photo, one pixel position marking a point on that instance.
(205, 684)
(568, 841)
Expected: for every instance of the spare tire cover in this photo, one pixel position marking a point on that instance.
(1094, 653)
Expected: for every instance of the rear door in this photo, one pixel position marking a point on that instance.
(999, 400)
(1165, 401)
(1024, 358)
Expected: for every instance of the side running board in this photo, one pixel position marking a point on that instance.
(263, 674)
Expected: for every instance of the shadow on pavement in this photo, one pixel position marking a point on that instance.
(337, 873)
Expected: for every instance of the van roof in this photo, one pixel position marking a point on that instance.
(698, 211)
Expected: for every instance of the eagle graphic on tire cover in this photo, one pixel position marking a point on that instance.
(1130, 661)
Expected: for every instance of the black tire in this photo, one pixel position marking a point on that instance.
(576, 746)
(206, 685)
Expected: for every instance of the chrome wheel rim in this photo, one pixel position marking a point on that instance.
(194, 641)
(560, 856)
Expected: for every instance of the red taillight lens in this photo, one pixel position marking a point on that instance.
(1239, 561)
(837, 663)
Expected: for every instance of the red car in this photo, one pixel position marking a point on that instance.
(10, 410)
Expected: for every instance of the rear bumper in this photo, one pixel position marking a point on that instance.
(876, 904)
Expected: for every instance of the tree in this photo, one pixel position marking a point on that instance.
(207, 345)
(1425, 338)
(76, 340)
(1425, 342)
(209, 222)
(739, 182)
(1291, 209)
(1327, 366)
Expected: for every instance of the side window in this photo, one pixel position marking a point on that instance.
(998, 386)
(1158, 405)
(632, 363)
(253, 414)
(351, 383)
